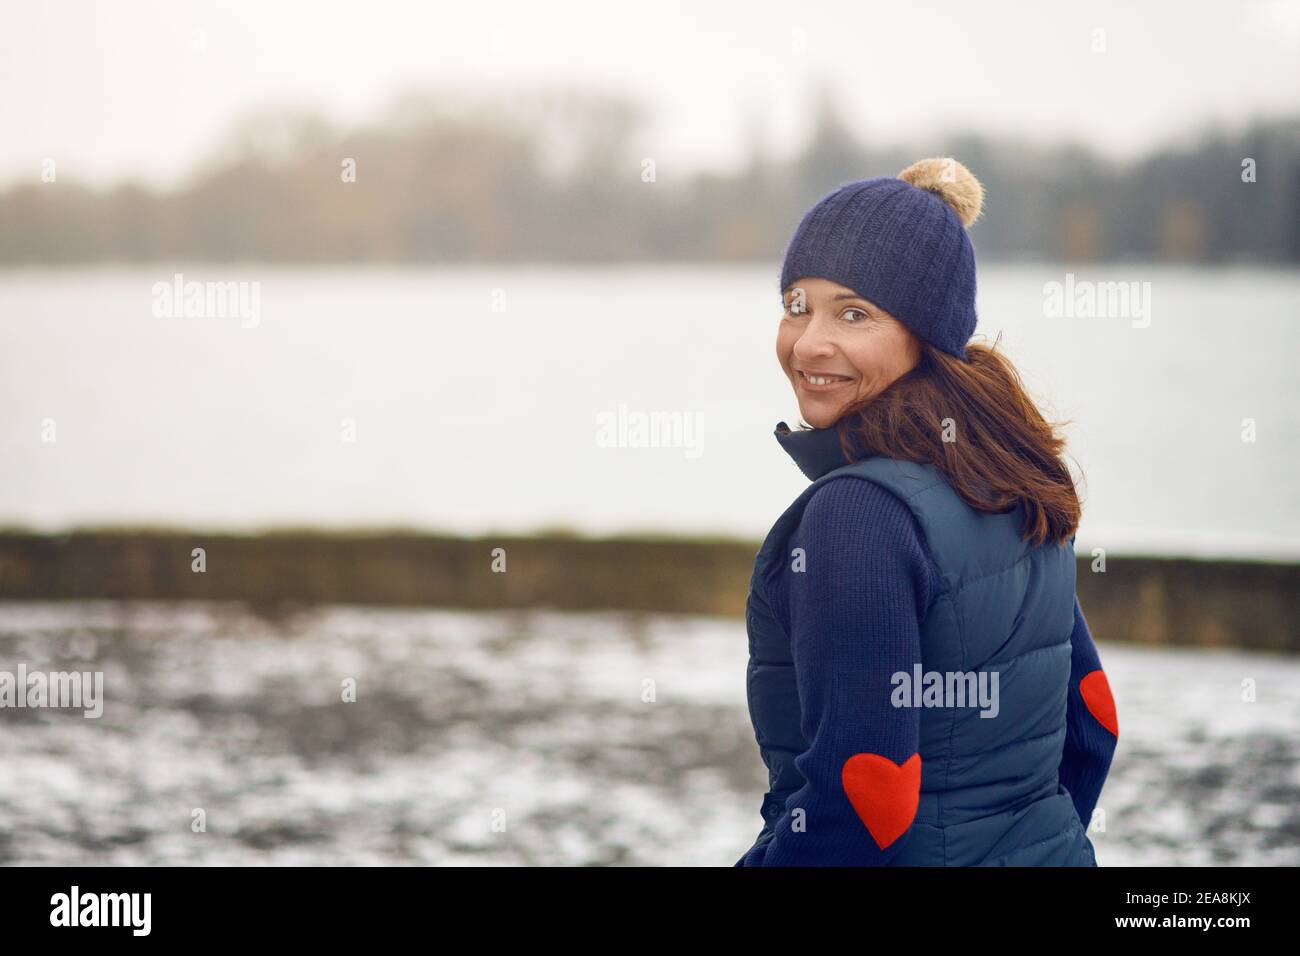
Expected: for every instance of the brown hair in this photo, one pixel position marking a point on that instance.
(1004, 451)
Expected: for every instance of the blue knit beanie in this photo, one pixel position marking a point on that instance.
(901, 243)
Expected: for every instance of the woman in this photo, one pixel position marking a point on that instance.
(922, 683)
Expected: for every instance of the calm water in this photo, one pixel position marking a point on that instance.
(473, 397)
(536, 719)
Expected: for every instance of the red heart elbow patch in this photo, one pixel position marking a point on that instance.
(884, 794)
(1095, 691)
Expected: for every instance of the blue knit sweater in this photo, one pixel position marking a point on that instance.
(854, 623)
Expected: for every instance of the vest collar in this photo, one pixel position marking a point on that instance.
(815, 450)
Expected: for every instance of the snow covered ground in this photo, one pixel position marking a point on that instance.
(526, 738)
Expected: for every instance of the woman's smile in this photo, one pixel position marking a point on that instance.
(821, 381)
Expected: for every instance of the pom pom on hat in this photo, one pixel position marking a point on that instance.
(954, 183)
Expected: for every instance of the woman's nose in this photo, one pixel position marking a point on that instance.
(814, 343)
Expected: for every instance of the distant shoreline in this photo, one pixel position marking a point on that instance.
(1145, 600)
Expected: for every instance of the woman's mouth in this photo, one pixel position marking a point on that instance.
(821, 382)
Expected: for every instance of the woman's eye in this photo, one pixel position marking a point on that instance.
(848, 312)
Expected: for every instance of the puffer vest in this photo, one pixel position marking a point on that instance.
(990, 793)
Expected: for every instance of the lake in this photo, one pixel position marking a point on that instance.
(499, 399)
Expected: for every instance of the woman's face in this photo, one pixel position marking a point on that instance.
(838, 348)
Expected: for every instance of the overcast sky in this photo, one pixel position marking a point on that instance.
(143, 88)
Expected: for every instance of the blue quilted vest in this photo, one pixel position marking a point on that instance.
(990, 794)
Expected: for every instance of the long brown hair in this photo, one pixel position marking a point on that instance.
(1000, 450)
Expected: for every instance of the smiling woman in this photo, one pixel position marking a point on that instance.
(937, 537)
